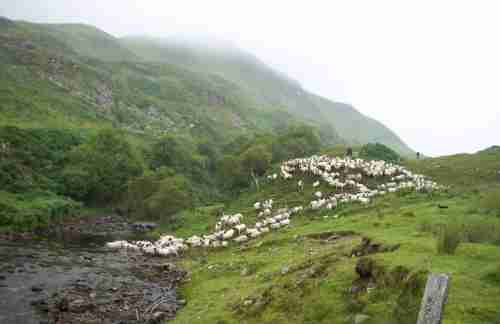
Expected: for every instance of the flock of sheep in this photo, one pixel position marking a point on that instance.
(344, 175)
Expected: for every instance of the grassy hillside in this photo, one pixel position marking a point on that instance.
(464, 171)
(267, 87)
(188, 81)
(85, 81)
(302, 275)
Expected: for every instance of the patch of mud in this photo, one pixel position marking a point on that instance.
(330, 236)
(368, 247)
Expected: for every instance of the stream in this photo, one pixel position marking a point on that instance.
(72, 278)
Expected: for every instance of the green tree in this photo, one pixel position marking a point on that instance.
(297, 141)
(379, 151)
(256, 160)
(231, 173)
(99, 170)
(173, 195)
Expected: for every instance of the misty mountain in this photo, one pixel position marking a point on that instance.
(159, 85)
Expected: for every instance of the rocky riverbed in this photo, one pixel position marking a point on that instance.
(72, 278)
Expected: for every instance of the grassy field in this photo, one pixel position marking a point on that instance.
(293, 276)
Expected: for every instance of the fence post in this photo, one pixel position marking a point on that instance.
(434, 300)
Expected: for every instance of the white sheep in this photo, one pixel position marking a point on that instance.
(253, 232)
(285, 222)
(241, 228)
(241, 239)
(116, 245)
(228, 234)
(275, 226)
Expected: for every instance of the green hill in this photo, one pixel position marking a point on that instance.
(266, 86)
(183, 82)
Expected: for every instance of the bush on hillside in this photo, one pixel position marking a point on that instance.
(256, 160)
(296, 141)
(31, 159)
(98, 171)
(158, 195)
(231, 173)
(29, 211)
(172, 195)
(379, 151)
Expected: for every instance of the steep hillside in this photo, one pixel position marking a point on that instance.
(186, 82)
(48, 79)
(266, 86)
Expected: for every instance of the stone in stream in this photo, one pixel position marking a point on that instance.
(37, 289)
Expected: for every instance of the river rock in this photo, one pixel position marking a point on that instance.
(37, 289)
(79, 306)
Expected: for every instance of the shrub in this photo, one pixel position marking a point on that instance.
(256, 160)
(449, 239)
(172, 196)
(378, 151)
(99, 170)
(296, 141)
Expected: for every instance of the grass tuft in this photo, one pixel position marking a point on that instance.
(449, 239)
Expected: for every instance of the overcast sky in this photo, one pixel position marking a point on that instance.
(429, 70)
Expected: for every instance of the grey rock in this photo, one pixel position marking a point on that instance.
(36, 289)
(79, 306)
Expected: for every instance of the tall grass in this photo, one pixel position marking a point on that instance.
(449, 238)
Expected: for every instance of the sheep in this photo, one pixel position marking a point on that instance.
(300, 185)
(241, 239)
(168, 251)
(116, 245)
(275, 226)
(229, 234)
(206, 242)
(285, 222)
(194, 241)
(253, 232)
(327, 169)
(241, 228)
(364, 200)
(218, 226)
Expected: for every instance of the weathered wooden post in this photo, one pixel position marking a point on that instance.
(435, 296)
